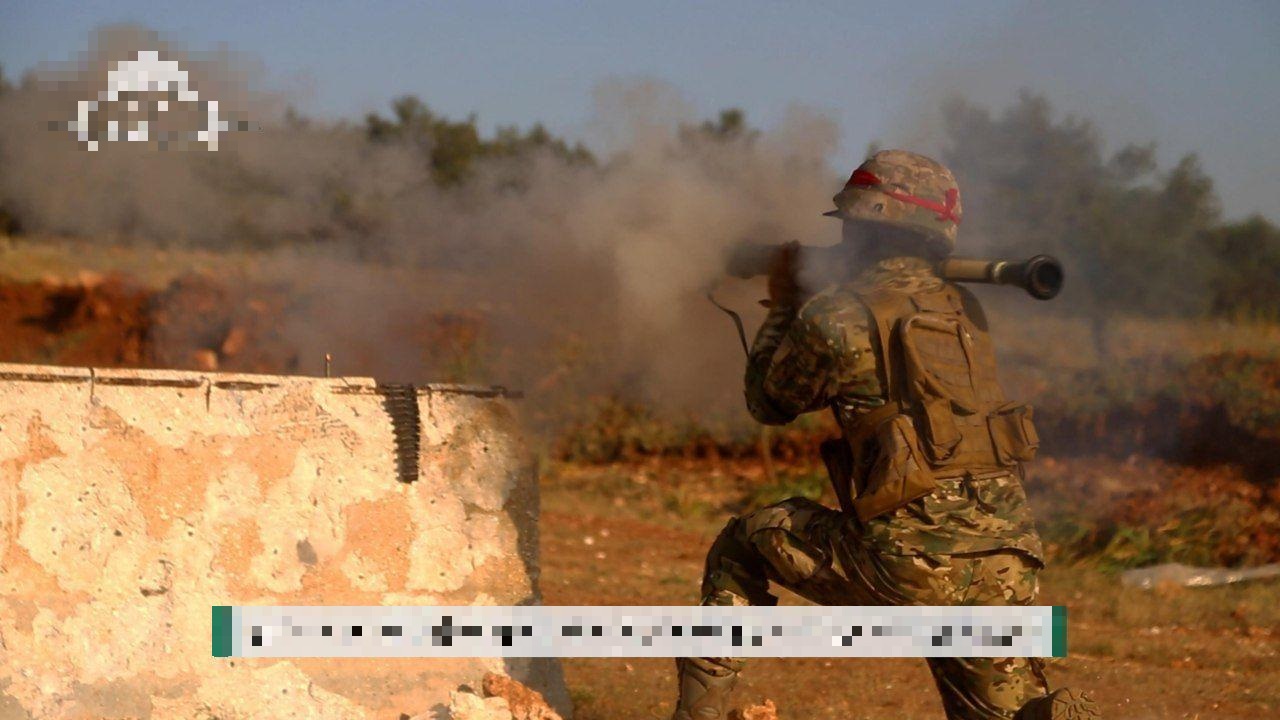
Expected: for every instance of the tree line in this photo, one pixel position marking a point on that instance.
(1137, 237)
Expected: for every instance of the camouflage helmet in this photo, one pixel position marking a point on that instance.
(905, 190)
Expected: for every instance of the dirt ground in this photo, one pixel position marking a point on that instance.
(637, 534)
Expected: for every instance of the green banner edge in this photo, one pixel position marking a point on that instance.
(222, 630)
(1059, 631)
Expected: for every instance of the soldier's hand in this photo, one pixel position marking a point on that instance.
(784, 285)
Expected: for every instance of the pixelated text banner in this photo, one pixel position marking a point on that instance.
(641, 631)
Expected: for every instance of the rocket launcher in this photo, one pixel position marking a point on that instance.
(1041, 276)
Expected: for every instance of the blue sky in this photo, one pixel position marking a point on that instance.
(1194, 76)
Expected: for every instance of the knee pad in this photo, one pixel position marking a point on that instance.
(734, 572)
(787, 540)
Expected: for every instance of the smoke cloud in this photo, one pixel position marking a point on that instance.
(585, 279)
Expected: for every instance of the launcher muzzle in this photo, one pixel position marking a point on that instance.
(1041, 276)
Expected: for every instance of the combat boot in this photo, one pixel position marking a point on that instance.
(1061, 704)
(704, 687)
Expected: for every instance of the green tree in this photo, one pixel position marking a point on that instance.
(732, 123)
(453, 148)
(1247, 258)
(508, 141)
(728, 127)
(9, 224)
(1130, 234)
(450, 147)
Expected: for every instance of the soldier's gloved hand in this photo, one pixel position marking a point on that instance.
(784, 285)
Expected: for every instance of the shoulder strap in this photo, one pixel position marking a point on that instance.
(943, 300)
(886, 308)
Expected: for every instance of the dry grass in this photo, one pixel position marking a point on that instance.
(1065, 342)
(27, 259)
(636, 534)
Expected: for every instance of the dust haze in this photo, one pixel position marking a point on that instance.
(588, 279)
(576, 280)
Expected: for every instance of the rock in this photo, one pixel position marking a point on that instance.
(765, 711)
(148, 496)
(206, 360)
(464, 705)
(525, 702)
(89, 279)
(235, 341)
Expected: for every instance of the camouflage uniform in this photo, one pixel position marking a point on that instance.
(971, 541)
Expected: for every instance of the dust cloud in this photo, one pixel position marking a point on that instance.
(583, 278)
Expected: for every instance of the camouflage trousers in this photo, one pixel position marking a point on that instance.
(819, 554)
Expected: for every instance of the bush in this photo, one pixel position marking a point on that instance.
(616, 429)
(1204, 529)
(1246, 286)
(9, 223)
(1221, 407)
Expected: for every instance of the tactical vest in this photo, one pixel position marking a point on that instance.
(945, 414)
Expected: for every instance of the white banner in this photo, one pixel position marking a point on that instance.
(640, 631)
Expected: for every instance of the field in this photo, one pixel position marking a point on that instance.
(636, 534)
(1166, 449)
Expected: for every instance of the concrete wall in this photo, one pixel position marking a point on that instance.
(132, 501)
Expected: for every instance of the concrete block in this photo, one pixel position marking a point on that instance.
(132, 501)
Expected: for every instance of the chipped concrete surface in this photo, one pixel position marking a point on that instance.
(132, 501)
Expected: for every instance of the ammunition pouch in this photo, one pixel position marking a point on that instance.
(940, 432)
(945, 412)
(1013, 435)
(900, 472)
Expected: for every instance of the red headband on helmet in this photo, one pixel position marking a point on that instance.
(865, 178)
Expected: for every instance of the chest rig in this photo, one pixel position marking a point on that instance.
(945, 414)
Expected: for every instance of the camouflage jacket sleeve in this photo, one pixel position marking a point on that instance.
(802, 360)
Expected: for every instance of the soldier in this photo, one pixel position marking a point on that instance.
(928, 466)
